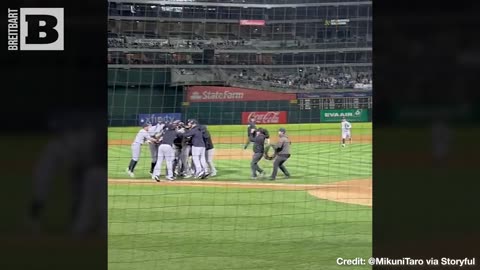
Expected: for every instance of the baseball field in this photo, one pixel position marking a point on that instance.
(232, 222)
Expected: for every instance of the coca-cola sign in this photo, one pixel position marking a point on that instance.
(226, 94)
(268, 117)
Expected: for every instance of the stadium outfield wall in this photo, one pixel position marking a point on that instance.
(221, 105)
(135, 92)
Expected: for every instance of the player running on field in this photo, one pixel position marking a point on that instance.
(346, 126)
(142, 137)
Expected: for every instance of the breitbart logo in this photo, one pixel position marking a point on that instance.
(35, 29)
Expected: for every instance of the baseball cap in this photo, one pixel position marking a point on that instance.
(282, 130)
(146, 124)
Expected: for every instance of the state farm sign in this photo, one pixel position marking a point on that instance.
(215, 95)
(270, 117)
(225, 94)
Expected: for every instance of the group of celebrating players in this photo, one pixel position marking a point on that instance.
(187, 150)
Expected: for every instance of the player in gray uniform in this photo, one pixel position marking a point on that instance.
(142, 137)
(282, 147)
(210, 152)
(166, 152)
(155, 132)
(198, 149)
(186, 167)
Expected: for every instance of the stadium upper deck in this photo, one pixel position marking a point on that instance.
(183, 25)
(241, 34)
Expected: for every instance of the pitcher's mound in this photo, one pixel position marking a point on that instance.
(353, 192)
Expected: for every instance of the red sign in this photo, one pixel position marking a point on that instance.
(273, 117)
(224, 94)
(252, 22)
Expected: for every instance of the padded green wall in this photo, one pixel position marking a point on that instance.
(138, 91)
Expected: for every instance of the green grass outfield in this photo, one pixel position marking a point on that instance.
(178, 227)
(311, 163)
(171, 227)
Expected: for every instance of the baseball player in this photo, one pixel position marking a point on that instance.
(185, 153)
(251, 125)
(198, 149)
(177, 146)
(166, 152)
(210, 151)
(258, 150)
(267, 136)
(282, 148)
(346, 126)
(142, 137)
(155, 132)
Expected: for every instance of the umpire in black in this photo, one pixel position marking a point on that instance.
(282, 148)
(258, 139)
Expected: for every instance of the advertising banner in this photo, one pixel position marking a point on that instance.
(352, 115)
(157, 117)
(268, 117)
(225, 94)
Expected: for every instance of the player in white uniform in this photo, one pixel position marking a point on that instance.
(346, 126)
(142, 137)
